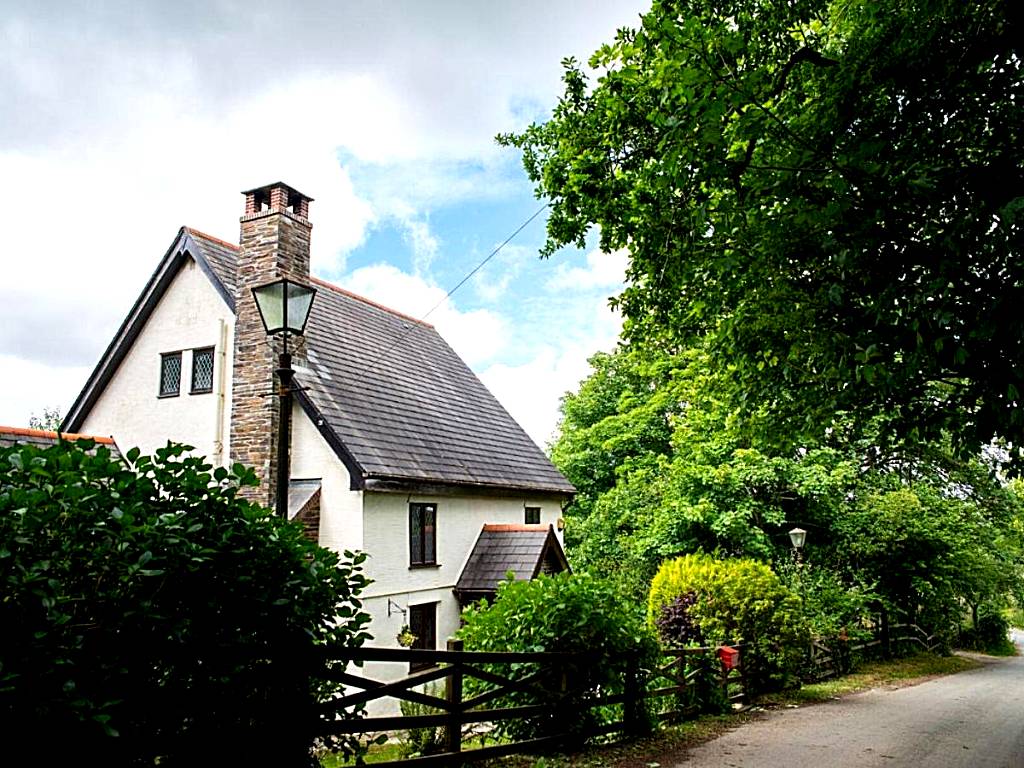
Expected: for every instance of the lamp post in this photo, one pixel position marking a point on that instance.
(284, 309)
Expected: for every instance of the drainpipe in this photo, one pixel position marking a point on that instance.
(221, 367)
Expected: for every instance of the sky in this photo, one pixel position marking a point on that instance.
(123, 121)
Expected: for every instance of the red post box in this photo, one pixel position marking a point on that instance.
(730, 657)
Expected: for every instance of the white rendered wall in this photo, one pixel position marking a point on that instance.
(341, 509)
(190, 315)
(386, 537)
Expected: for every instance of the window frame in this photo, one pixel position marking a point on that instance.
(164, 357)
(213, 362)
(527, 515)
(419, 537)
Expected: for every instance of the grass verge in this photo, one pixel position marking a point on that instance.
(913, 669)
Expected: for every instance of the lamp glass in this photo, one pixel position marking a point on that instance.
(798, 536)
(300, 299)
(284, 306)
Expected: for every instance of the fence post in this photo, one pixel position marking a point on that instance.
(631, 692)
(886, 640)
(453, 694)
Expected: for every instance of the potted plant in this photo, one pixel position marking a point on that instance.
(405, 637)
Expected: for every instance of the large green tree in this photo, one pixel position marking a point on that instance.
(832, 192)
(919, 527)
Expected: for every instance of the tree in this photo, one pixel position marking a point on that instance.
(923, 529)
(831, 191)
(150, 613)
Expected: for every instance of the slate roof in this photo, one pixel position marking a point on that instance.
(44, 438)
(392, 398)
(521, 549)
(300, 494)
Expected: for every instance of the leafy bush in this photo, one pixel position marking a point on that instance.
(150, 613)
(429, 740)
(991, 634)
(570, 613)
(738, 600)
(832, 606)
(677, 624)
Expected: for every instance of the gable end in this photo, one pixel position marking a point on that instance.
(173, 260)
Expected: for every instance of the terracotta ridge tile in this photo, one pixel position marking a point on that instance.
(27, 432)
(371, 302)
(225, 243)
(517, 527)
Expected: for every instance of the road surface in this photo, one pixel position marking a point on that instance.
(973, 719)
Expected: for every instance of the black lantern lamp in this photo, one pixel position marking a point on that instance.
(284, 308)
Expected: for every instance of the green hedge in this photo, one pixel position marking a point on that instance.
(149, 613)
(565, 613)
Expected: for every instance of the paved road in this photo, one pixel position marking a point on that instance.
(974, 719)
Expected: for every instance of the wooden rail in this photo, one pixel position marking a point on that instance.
(535, 686)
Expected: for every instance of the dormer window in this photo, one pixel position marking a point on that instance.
(202, 370)
(170, 374)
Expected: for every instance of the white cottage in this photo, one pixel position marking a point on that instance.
(397, 448)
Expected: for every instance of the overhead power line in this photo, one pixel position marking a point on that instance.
(461, 282)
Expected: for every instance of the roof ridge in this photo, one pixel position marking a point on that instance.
(371, 302)
(517, 527)
(29, 432)
(225, 243)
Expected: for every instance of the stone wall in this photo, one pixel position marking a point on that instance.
(275, 243)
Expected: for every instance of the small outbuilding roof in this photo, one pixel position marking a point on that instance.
(525, 551)
(44, 438)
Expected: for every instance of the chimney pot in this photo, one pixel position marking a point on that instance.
(277, 198)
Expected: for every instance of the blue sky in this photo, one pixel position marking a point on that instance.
(126, 120)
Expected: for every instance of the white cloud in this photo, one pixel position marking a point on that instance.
(39, 386)
(603, 270)
(532, 391)
(125, 120)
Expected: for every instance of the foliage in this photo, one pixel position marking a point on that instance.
(828, 190)
(566, 613)
(429, 740)
(833, 607)
(151, 613)
(920, 529)
(739, 601)
(677, 622)
(990, 634)
(49, 421)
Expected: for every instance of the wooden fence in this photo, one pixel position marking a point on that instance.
(837, 656)
(536, 687)
(532, 687)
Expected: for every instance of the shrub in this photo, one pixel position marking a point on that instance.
(991, 634)
(429, 740)
(738, 600)
(562, 613)
(150, 613)
(677, 622)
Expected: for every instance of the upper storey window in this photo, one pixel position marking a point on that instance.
(422, 534)
(202, 370)
(170, 374)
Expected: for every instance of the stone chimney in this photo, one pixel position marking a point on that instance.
(274, 244)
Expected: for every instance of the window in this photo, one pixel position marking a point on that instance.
(202, 370)
(423, 624)
(533, 515)
(422, 534)
(170, 374)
